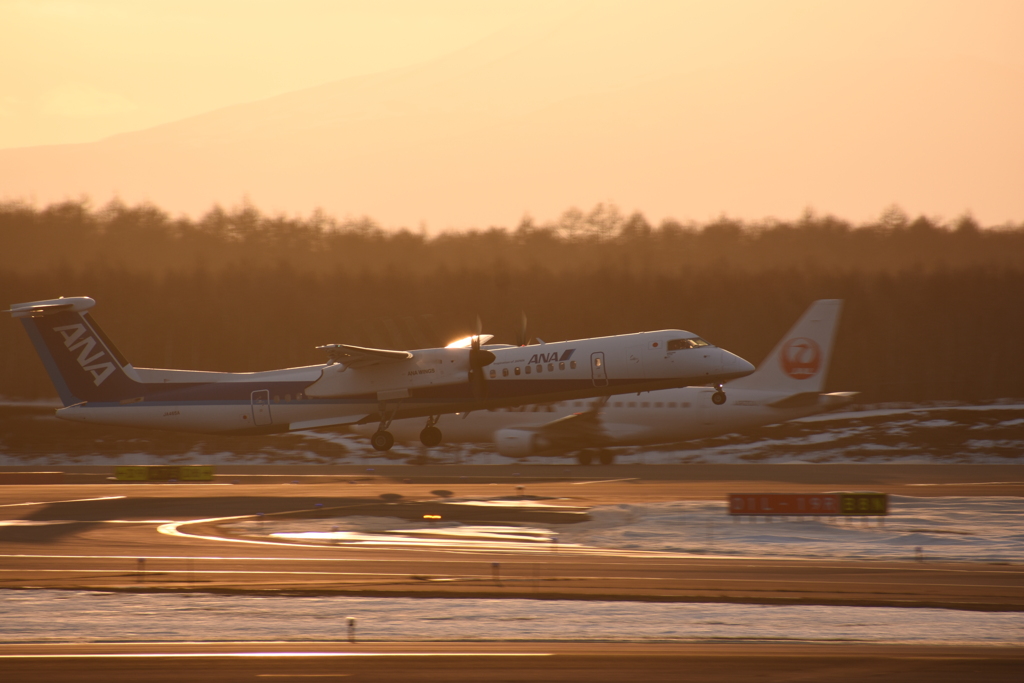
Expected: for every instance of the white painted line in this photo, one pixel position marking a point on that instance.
(603, 481)
(150, 655)
(49, 502)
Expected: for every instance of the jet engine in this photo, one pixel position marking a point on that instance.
(519, 443)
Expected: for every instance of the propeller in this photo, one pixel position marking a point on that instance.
(521, 338)
(478, 360)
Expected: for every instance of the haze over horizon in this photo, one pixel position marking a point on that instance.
(470, 114)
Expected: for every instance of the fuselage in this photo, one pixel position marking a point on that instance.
(663, 416)
(434, 382)
(97, 384)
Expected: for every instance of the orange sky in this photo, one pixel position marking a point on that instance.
(79, 71)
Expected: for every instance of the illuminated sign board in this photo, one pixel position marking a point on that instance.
(824, 504)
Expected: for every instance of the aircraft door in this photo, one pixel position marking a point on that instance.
(261, 407)
(597, 369)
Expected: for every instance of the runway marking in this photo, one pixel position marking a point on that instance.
(603, 481)
(48, 502)
(973, 483)
(282, 654)
(49, 522)
(400, 543)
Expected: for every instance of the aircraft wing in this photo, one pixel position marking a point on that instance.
(362, 357)
(575, 431)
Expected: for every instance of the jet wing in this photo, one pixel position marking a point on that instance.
(574, 431)
(361, 357)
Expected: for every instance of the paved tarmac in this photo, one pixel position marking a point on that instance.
(113, 525)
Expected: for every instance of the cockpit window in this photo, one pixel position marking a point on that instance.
(680, 344)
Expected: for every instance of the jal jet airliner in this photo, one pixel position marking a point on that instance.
(785, 386)
(357, 385)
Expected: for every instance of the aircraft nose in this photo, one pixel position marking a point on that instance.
(734, 366)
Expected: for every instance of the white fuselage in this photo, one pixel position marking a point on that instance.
(663, 416)
(431, 382)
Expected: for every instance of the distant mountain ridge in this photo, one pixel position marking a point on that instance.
(652, 116)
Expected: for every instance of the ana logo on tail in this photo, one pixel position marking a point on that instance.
(73, 340)
(800, 358)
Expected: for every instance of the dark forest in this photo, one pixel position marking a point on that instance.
(934, 311)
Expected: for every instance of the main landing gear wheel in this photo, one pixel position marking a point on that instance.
(430, 436)
(584, 457)
(606, 458)
(382, 441)
(718, 398)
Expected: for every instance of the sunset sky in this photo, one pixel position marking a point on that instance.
(921, 102)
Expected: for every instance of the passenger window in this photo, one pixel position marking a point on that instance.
(572, 365)
(517, 370)
(617, 404)
(645, 404)
(527, 369)
(540, 368)
(579, 404)
(287, 397)
(277, 399)
(561, 366)
(494, 373)
(671, 404)
(504, 372)
(631, 404)
(551, 367)
(685, 405)
(658, 404)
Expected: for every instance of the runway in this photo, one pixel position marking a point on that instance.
(92, 536)
(606, 662)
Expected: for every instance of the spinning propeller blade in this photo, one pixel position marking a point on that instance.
(478, 360)
(521, 338)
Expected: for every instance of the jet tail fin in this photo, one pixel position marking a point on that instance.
(799, 362)
(83, 364)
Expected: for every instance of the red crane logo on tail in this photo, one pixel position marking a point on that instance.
(801, 358)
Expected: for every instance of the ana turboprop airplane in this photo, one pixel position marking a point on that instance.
(784, 387)
(357, 385)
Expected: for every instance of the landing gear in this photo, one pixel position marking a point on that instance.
(431, 435)
(584, 457)
(606, 457)
(382, 440)
(718, 398)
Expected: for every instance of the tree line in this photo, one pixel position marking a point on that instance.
(933, 312)
(73, 235)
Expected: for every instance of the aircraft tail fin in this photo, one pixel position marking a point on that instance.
(799, 362)
(83, 364)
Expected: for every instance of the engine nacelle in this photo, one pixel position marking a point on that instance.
(519, 443)
(427, 368)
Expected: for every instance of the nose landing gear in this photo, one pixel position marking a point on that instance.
(718, 398)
